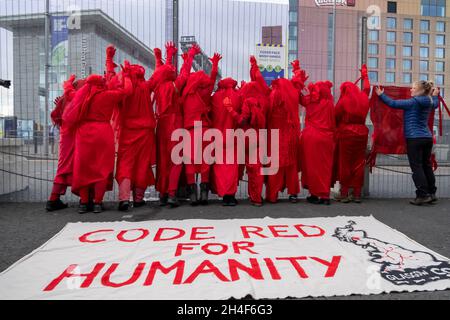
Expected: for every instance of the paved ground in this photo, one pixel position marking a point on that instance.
(24, 227)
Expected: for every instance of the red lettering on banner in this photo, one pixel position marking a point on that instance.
(69, 273)
(204, 268)
(157, 266)
(184, 246)
(277, 233)
(160, 233)
(121, 235)
(332, 266)
(301, 227)
(254, 271)
(243, 246)
(84, 238)
(196, 233)
(272, 269)
(106, 279)
(246, 231)
(207, 250)
(294, 261)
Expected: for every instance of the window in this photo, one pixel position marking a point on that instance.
(407, 37)
(423, 76)
(440, 66)
(424, 65)
(424, 52)
(390, 50)
(391, 23)
(390, 77)
(440, 26)
(439, 80)
(390, 64)
(292, 57)
(372, 63)
(408, 24)
(407, 51)
(373, 49)
(293, 16)
(407, 65)
(424, 38)
(433, 8)
(391, 36)
(440, 53)
(407, 78)
(392, 7)
(425, 25)
(293, 31)
(292, 45)
(373, 76)
(374, 35)
(440, 40)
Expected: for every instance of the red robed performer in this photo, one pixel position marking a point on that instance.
(170, 118)
(283, 115)
(137, 145)
(352, 137)
(196, 108)
(63, 178)
(91, 113)
(225, 102)
(318, 142)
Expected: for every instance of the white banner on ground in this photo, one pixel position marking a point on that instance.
(202, 259)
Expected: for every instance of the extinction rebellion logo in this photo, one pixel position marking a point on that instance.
(399, 265)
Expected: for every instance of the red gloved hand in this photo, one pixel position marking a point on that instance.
(364, 72)
(110, 52)
(195, 50)
(126, 68)
(216, 58)
(296, 65)
(69, 83)
(171, 50)
(158, 53)
(253, 61)
(185, 57)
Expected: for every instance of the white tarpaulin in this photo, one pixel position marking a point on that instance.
(202, 259)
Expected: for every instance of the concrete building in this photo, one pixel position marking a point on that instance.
(401, 41)
(85, 54)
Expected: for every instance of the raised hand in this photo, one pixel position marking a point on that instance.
(253, 60)
(379, 91)
(110, 51)
(158, 53)
(126, 68)
(195, 50)
(216, 58)
(364, 72)
(171, 49)
(296, 65)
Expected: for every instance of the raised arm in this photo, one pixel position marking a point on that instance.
(365, 79)
(300, 76)
(110, 65)
(215, 66)
(395, 104)
(127, 90)
(188, 60)
(255, 75)
(171, 53)
(158, 58)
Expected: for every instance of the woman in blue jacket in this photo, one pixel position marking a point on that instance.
(419, 138)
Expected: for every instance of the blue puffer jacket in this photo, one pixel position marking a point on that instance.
(417, 112)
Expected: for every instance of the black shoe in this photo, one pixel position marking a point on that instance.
(124, 206)
(90, 206)
(233, 201)
(226, 201)
(163, 201)
(230, 201)
(193, 194)
(56, 205)
(173, 202)
(434, 199)
(83, 209)
(313, 199)
(204, 194)
(420, 201)
(139, 204)
(293, 199)
(98, 208)
(326, 202)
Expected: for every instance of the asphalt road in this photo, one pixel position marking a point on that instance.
(25, 227)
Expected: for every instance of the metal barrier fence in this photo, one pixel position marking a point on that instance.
(78, 33)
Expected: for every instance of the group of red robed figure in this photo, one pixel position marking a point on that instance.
(126, 115)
